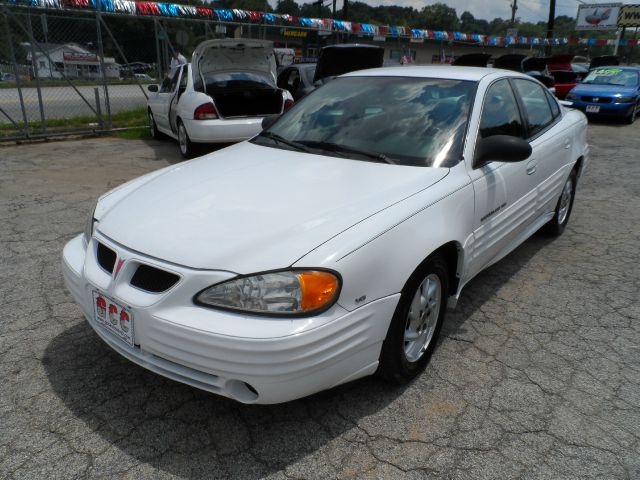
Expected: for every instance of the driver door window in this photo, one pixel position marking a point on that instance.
(500, 114)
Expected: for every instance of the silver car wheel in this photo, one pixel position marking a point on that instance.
(152, 126)
(565, 201)
(422, 318)
(182, 139)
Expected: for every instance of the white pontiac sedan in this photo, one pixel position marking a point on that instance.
(328, 247)
(221, 96)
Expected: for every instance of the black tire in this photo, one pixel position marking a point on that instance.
(185, 145)
(396, 366)
(629, 119)
(557, 224)
(153, 128)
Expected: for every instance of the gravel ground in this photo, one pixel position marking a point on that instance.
(537, 375)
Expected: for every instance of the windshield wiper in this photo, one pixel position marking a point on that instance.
(336, 147)
(277, 138)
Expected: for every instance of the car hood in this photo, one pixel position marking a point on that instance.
(560, 62)
(250, 208)
(602, 90)
(472, 60)
(604, 60)
(340, 59)
(510, 62)
(228, 54)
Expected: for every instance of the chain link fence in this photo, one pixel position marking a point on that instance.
(77, 72)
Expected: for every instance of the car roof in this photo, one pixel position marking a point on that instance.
(435, 71)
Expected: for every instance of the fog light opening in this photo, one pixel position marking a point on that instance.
(241, 391)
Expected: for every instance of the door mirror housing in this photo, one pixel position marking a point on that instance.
(152, 88)
(269, 120)
(501, 148)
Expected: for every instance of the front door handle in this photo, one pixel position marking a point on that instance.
(531, 167)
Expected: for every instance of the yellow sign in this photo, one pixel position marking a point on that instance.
(629, 16)
(295, 33)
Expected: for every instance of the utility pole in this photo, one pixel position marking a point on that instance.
(552, 16)
(333, 12)
(514, 8)
(345, 9)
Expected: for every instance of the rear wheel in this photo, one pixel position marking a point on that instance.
(153, 127)
(557, 224)
(416, 323)
(187, 149)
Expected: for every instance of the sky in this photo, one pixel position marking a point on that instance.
(528, 10)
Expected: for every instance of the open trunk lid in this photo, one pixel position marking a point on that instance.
(604, 61)
(340, 59)
(472, 60)
(224, 55)
(510, 62)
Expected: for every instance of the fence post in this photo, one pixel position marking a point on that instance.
(12, 56)
(34, 65)
(158, 59)
(101, 53)
(96, 94)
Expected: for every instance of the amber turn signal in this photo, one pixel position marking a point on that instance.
(318, 289)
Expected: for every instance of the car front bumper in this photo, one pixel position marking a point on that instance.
(606, 109)
(223, 130)
(251, 359)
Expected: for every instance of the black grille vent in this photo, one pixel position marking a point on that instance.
(153, 279)
(106, 258)
(599, 99)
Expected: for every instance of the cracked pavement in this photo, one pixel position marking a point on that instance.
(536, 375)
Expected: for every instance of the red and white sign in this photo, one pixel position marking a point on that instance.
(76, 57)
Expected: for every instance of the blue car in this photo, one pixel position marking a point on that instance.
(609, 92)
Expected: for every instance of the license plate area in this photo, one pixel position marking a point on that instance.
(593, 108)
(115, 318)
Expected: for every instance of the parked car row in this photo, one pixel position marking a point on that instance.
(231, 85)
(604, 89)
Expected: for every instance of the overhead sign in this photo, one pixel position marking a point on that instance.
(629, 16)
(603, 16)
(295, 33)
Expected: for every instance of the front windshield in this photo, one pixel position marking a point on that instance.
(401, 120)
(612, 76)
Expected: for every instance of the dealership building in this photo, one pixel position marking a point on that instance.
(72, 60)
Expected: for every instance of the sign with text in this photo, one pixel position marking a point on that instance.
(629, 16)
(77, 57)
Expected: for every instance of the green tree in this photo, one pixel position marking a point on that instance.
(440, 16)
(289, 7)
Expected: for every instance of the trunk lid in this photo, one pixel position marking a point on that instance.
(340, 59)
(224, 55)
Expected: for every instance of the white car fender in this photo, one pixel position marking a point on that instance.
(421, 224)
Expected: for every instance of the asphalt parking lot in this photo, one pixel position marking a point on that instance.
(537, 375)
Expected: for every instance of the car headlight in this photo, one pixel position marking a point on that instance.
(286, 293)
(624, 99)
(571, 96)
(90, 225)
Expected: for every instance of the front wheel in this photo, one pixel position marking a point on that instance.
(632, 116)
(557, 224)
(416, 323)
(187, 148)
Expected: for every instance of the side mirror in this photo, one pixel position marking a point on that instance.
(152, 88)
(268, 121)
(501, 148)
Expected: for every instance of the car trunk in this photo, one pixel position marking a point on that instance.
(239, 75)
(243, 102)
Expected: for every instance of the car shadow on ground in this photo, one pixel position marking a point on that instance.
(166, 149)
(187, 432)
